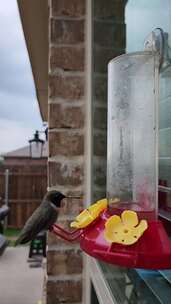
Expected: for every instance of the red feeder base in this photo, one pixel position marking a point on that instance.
(152, 251)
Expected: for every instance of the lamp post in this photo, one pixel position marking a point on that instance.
(36, 146)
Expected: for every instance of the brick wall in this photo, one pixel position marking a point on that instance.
(66, 142)
(67, 127)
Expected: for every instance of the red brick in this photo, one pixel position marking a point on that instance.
(74, 8)
(69, 87)
(66, 143)
(75, 192)
(65, 174)
(55, 240)
(72, 206)
(62, 116)
(67, 31)
(64, 221)
(67, 261)
(68, 58)
(64, 291)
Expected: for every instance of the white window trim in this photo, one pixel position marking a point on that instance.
(101, 287)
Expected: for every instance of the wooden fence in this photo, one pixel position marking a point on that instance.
(25, 192)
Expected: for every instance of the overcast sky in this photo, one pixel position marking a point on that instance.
(19, 112)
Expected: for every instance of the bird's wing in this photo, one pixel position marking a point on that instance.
(40, 220)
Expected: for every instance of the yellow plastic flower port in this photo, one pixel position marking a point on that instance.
(88, 215)
(125, 229)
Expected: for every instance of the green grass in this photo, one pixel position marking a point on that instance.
(11, 235)
(12, 232)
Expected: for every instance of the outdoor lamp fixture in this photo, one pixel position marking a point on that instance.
(36, 146)
(123, 228)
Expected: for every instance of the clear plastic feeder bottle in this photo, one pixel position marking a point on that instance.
(132, 157)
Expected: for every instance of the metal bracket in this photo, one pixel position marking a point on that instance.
(155, 42)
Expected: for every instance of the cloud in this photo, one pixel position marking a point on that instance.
(14, 135)
(15, 73)
(21, 108)
(19, 112)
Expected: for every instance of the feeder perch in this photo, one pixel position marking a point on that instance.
(132, 168)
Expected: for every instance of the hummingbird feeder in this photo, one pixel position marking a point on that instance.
(124, 229)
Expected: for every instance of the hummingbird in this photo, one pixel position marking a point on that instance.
(42, 218)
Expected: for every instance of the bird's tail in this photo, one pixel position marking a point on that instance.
(17, 242)
(21, 240)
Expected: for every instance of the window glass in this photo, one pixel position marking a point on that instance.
(137, 286)
(108, 42)
(141, 18)
(115, 33)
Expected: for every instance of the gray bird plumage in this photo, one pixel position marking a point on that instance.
(42, 218)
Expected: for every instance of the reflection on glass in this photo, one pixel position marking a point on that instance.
(108, 42)
(135, 286)
(165, 139)
(141, 17)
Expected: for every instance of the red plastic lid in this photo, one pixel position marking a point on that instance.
(152, 250)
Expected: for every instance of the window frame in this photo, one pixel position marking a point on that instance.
(92, 270)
